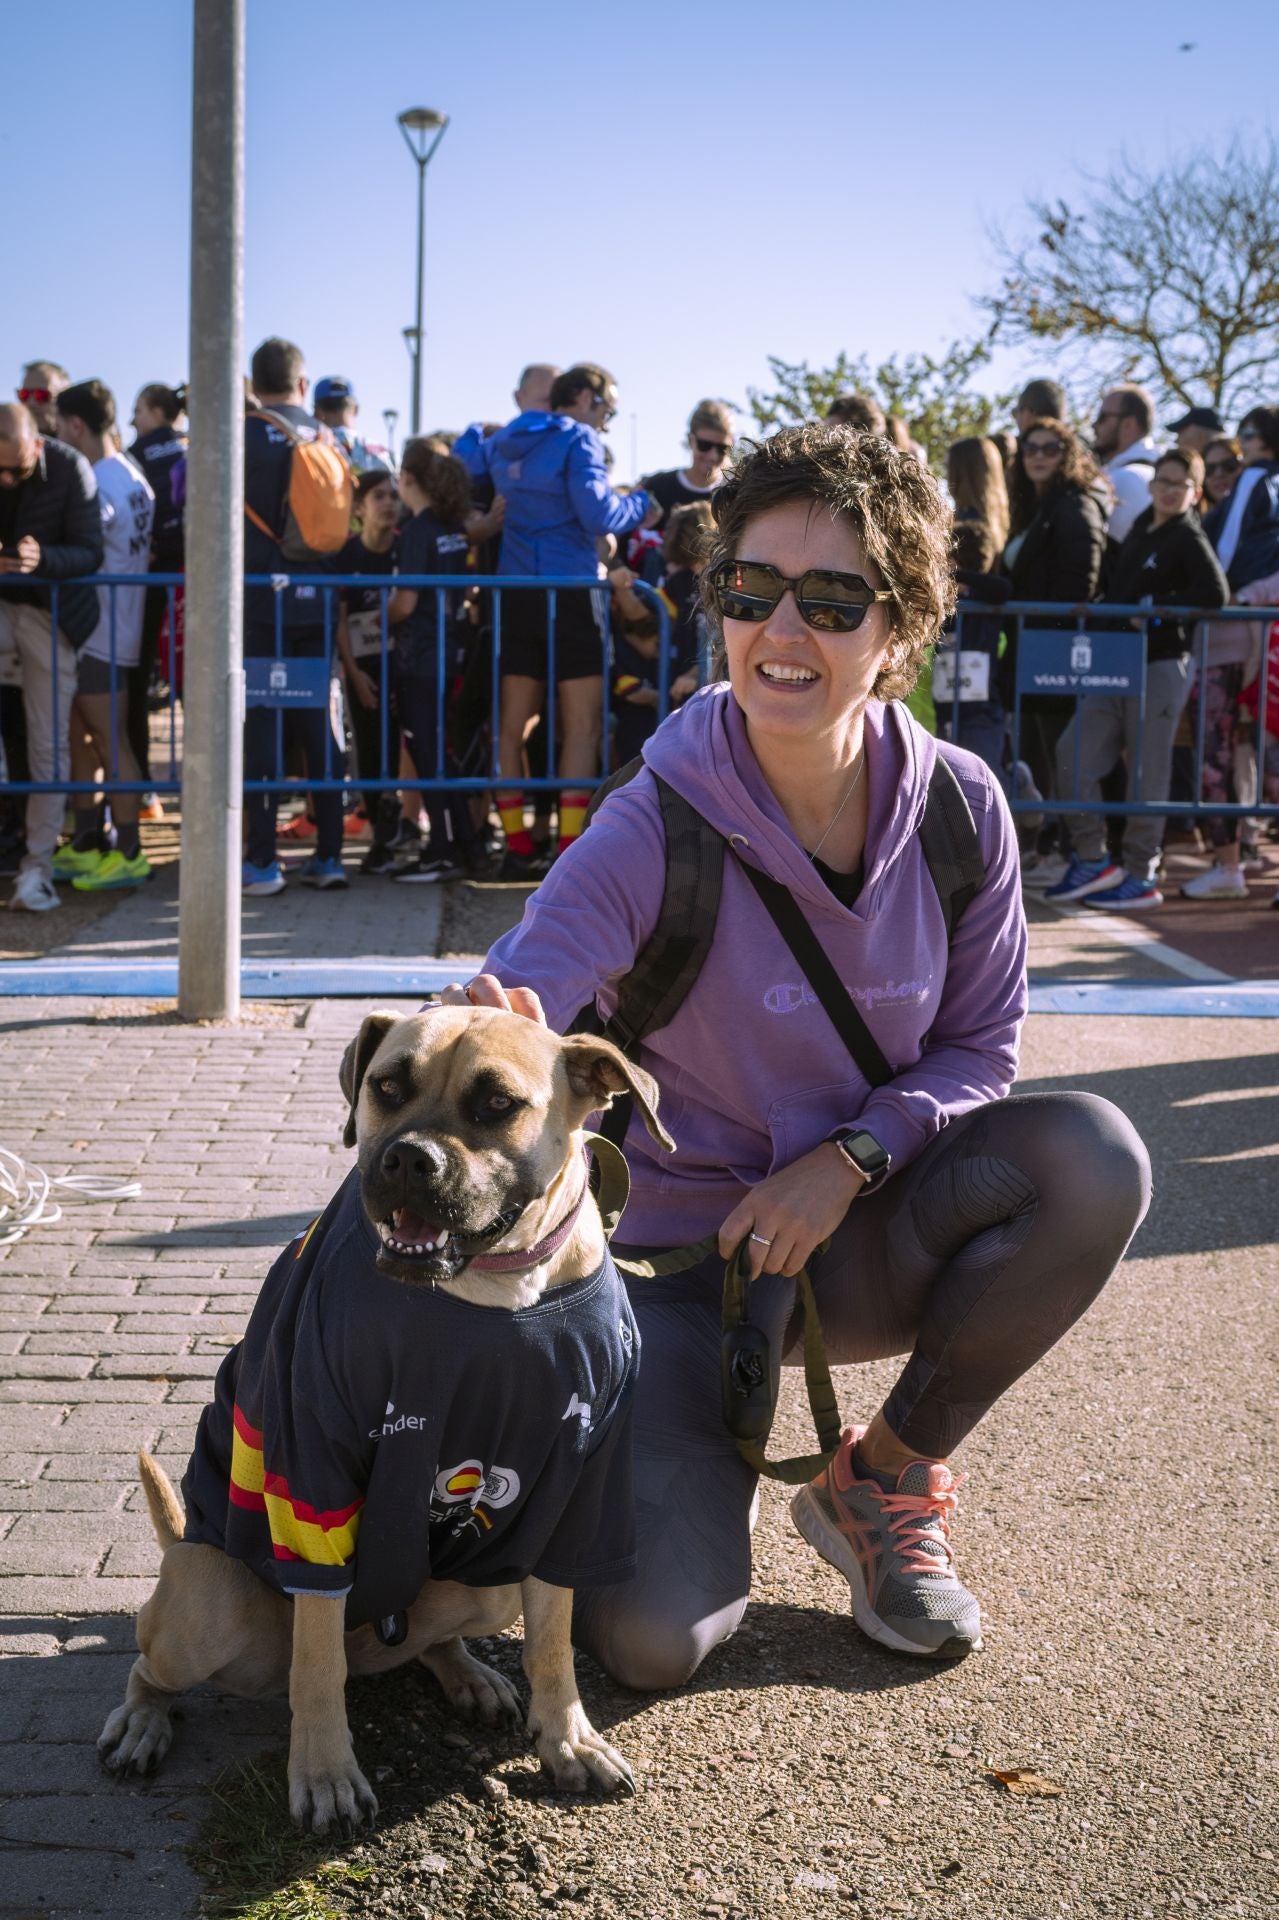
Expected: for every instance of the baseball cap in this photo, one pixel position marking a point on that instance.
(333, 387)
(1206, 417)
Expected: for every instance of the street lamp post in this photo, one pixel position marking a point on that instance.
(423, 129)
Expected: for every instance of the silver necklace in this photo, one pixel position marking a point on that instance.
(861, 768)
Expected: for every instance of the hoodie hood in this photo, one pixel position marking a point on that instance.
(704, 752)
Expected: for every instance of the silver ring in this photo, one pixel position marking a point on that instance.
(761, 1239)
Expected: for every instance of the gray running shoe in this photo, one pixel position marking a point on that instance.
(894, 1550)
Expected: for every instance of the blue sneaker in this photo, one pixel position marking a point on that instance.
(1083, 877)
(323, 873)
(1131, 893)
(261, 880)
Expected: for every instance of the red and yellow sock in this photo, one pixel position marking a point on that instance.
(572, 816)
(510, 807)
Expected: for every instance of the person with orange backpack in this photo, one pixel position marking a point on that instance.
(298, 497)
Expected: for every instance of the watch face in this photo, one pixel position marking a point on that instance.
(864, 1151)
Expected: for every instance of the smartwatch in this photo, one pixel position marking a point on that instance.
(863, 1151)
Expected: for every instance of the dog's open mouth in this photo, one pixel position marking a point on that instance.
(413, 1237)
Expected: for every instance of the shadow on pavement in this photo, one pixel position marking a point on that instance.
(245, 1230)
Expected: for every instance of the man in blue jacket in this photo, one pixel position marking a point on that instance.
(549, 466)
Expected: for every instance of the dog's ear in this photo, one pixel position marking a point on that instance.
(355, 1063)
(597, 1070)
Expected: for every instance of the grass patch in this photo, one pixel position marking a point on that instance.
(255, 1864)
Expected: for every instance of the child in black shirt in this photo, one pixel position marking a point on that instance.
(360, 632)
(430, 646)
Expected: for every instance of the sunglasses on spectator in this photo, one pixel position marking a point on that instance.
(35, 396)
(1249, 433)
(610, 413)
(1222, 466)
(1043, 446)
(831, 602)
(720, 447)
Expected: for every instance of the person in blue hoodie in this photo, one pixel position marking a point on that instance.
(549, 466)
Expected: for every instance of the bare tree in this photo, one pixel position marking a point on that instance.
(1168, 277)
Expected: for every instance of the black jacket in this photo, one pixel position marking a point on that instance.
(157, 453)
(58, 506)
(1062, 554)
(1169, 566)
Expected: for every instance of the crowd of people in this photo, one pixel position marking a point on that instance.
(1046, 515)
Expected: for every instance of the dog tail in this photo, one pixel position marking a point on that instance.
(167, 1516)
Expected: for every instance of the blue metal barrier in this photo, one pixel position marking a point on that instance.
(1043, 634)
(282, 680)
(1049, 642)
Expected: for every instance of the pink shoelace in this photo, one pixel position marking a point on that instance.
(908, 1515)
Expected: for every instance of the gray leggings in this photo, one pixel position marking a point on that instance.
(975, 1260)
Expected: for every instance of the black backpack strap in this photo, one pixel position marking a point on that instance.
(952, 851)
(659, 981)
(820, 973)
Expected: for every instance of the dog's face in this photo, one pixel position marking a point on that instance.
(463, 1117)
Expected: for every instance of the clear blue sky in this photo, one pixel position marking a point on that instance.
(676, 190)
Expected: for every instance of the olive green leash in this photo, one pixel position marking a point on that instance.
(746, 1363)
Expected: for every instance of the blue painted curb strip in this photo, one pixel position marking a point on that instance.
(115, 979)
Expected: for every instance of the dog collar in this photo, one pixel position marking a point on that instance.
(521, 1258)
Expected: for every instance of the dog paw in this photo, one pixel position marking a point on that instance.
(135, 1739)
(320, 1797)
(471, 1688)
(578, 1759)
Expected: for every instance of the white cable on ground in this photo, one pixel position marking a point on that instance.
(25, 1192)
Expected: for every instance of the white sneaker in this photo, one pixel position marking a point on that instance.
(1219, 883)
(1047, 870)
(34, 892)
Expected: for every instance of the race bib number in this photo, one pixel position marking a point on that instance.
(365, 630)
(974, 676)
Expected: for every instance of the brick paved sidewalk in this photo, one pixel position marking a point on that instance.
(112, 1323)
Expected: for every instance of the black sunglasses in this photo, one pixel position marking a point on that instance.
(1221, 466)
(720, 447)
(831, 602)
(1043, 446)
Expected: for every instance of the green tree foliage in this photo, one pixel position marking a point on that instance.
(934, 396)
(1168, 277)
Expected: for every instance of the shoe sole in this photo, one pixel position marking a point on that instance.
(1232, 893)
(830, 1543)
(112, 886)
(426, 879)
(263, 889)
(1127, 906)
(1038, 883)
(326, 885)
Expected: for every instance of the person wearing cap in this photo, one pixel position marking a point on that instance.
(337, 408)
(1197, 429)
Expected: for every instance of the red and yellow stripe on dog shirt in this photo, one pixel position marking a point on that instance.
(298, 1531)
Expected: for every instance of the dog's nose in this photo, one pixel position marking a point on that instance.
(414, 1160)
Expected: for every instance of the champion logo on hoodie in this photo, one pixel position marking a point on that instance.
(790, 995)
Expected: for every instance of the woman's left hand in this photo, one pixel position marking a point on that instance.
(794, 1211)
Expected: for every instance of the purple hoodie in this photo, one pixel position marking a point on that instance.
(751, 1071)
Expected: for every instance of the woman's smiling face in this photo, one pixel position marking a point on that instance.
(792, 680)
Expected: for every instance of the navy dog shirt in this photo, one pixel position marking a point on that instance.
(366, 1436)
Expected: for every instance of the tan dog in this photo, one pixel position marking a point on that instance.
(472, 1174)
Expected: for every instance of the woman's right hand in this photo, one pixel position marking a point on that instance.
(486, 990)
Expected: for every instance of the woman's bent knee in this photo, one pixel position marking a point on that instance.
(649, 1651)
(1081, 1146)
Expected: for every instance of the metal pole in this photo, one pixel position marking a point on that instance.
(421, 272)
(213, 717)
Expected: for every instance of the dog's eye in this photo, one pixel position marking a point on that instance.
(499, 1103)
(391, 1091)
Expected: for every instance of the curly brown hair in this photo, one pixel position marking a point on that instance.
(1078, 470)
(442, 477)
(892, 504)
